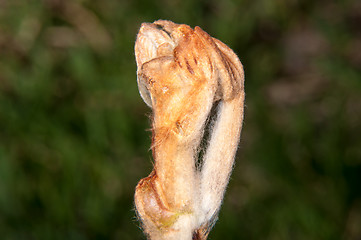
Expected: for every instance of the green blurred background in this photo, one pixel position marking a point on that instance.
(74, 137)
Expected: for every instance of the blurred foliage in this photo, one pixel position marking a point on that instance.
(73, 128)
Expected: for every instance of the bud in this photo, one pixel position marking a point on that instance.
(182, 73)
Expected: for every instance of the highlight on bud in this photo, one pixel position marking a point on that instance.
(184, 74)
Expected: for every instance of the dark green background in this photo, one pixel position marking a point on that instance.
(73, 128)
